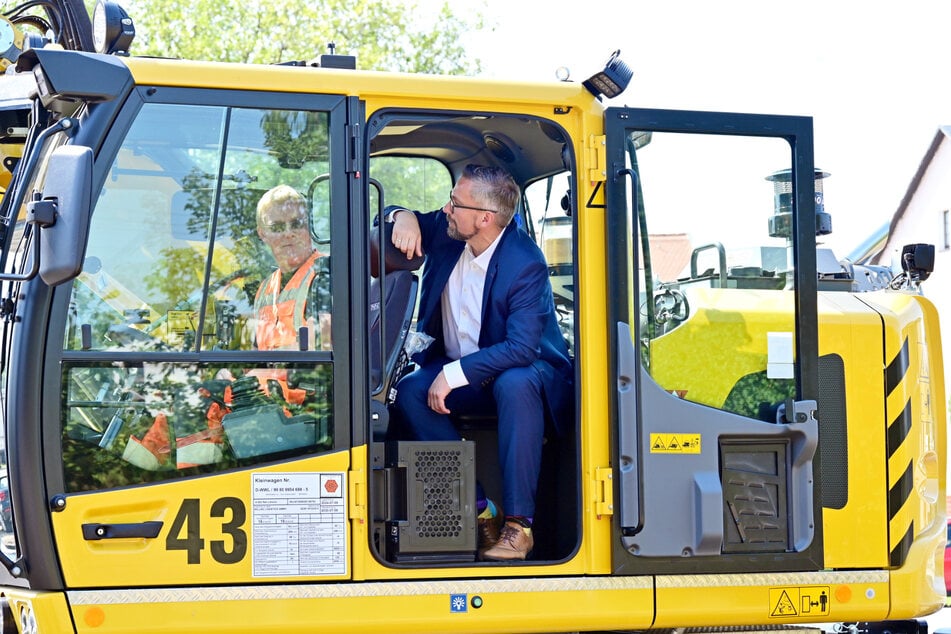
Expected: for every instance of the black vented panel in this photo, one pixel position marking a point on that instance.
(833, 433)
(754, 496)
(439, 519)
(437, 474)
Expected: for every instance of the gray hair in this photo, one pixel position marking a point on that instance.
(496, 189)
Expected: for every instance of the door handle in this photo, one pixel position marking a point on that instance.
(147, 530)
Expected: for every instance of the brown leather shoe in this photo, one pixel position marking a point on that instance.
(514, 543)
(489, 528)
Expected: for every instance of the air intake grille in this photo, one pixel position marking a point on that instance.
(438, 498)
(439, 473)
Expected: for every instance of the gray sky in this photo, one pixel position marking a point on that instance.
(874, 76)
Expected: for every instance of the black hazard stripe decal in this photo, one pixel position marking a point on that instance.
(898, 430)
(896, 369)
(897, 557)
(900, 492)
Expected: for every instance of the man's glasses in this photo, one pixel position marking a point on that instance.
(290, 225)
(453, 205)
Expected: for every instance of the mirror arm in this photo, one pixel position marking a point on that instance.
(40, 213)
(34, 265)
(45, 216)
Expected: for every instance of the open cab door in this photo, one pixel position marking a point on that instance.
(714, 331)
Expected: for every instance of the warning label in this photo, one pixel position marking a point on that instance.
(798, 601)
(675, 443)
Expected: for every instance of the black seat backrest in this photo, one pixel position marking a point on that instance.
(390, 318)
(392, 305)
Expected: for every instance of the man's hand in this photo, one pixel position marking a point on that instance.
(406, 234)
(438, 392)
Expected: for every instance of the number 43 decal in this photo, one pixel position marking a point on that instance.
(186, 531)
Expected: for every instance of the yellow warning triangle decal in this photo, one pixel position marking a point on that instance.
(784, 606)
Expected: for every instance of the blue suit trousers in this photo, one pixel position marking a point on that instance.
(515, 396)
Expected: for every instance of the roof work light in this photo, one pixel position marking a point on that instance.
(112, 28)
(611, 81)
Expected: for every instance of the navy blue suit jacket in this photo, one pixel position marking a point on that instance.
(519, 326)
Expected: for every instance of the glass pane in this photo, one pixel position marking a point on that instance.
(716, 275)
(548, 206)
(142, 280)
(271, 271)
(176, 254)
(131, 423)
(421, 184)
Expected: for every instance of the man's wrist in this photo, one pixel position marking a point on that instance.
(391, 217)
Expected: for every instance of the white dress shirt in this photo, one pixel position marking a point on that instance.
(462, 310)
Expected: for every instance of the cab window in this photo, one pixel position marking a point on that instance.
(210, 237)
(176, 255)
(709, 333)
(549, 219)
(418, 183)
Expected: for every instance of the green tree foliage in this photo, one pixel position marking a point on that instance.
(391, 36)
(420, 184)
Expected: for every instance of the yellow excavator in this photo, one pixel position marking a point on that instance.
(758, 435)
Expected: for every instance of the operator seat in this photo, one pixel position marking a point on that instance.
(391, 314)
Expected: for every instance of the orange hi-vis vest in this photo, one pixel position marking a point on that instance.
(280, 311)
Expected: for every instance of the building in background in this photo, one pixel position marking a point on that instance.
(924, 215)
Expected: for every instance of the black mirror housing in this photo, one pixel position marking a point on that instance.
(68, 187)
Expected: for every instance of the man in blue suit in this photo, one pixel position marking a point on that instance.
(487, 302)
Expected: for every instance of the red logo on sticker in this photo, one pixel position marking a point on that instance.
(331, 486)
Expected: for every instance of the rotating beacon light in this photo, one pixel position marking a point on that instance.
(780, 223)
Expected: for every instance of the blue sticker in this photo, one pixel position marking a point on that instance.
(458, 603)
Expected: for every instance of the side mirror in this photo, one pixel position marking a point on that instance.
(67, 188)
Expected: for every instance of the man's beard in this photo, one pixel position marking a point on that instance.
(455, 234)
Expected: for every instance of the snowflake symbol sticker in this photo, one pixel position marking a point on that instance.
(458, 603)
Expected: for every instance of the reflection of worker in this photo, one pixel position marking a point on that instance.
(297, 294)
(487, 302)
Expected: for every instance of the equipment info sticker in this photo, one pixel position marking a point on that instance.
(298, 524)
